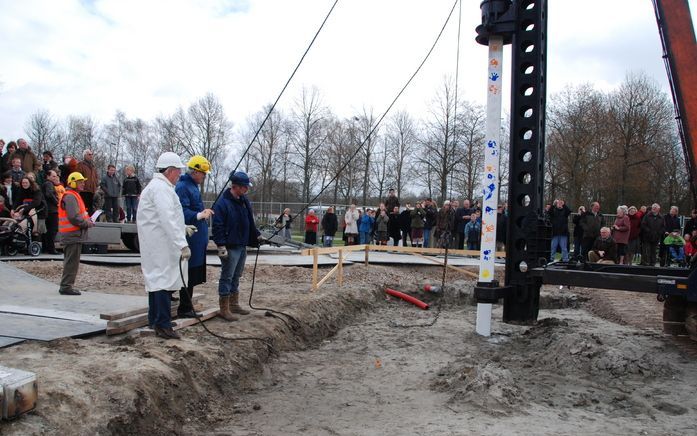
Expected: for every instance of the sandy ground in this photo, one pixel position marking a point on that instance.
(362, 364)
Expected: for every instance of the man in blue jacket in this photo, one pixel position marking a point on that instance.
(194, 215)
(233, 230)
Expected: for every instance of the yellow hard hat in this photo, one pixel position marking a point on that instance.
(199, 163)
(75, 177)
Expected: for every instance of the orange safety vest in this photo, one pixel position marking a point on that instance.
(64, 225)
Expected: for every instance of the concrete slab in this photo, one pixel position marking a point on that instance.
(44, 329)
(7, 341)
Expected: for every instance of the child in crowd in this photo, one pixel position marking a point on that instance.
(473, 231)
(675, 244)
(381, 226)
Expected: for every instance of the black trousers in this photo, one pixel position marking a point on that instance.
(48, 239)
(88, 199)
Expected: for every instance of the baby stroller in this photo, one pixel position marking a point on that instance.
(16, 236)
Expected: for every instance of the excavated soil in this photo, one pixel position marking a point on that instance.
(360, 363)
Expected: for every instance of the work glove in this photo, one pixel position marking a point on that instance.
(222, 252)
(190, 230)
(186, 253)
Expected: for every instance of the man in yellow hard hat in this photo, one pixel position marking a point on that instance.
(196, 217)
(73, 224)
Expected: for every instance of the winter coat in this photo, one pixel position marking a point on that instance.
(111, 186)
(50, 197)
(418, 216)
(473, 230)
(161, 235)
(608, 246)
(676, 240)
(88, 170)
(391, 203)
(393, 226)
(233, 222)
(405, 220)
(652, 227)
(462, 218)
(591, 224)
(191, 202)
(311, 223)
(366, 224)
(29, 199)
(559, 218)
(382, 223)
(635, 225)
(672, 223)
(30, 164)
(431, 213)
(445, 221)
(690, 225)
(131, 187)
(621, 234)
(351, 219)
(330, 224)
(284, 221)
(71, 205)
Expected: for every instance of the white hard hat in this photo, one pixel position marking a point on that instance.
(169, 159)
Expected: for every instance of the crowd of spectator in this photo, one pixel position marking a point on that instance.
(633, 236)
(32, 189)
(422, 224)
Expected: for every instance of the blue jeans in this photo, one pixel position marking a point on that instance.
(131, 208)
(427, 237)
(563, 243)
(677, 253)
(231, 271)
(160, 309)
(328, 240)
(364, 238)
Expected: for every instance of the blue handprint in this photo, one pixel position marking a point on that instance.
(494, 77)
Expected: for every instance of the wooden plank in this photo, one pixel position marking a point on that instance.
(340, 277)
(329, 274)
(463, 271)
(439, 251)
(331, 250)
(181, 323)
(314, 269)
(367, 251)
(110, 316)
(6, 341)
(44, 329)
(117, 327)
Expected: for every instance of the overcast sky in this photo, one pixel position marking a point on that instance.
(147, 57)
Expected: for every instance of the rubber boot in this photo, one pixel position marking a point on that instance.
(225, 309)
(235, 305)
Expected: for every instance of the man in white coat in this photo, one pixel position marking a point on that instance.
(162, 237)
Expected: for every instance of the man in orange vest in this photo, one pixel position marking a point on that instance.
(73, 223)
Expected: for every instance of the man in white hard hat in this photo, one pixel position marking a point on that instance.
(162, 238)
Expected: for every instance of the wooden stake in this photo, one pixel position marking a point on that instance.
(314, 268)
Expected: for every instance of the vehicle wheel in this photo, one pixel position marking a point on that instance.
(130, 240)
(12, 251)
(34, 248)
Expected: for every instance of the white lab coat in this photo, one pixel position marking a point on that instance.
(162, 235)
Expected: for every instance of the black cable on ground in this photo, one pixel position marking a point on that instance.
(428, 324)
(266, 341)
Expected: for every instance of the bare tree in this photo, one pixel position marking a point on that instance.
(41, 130)
(401, 142)
(469, 136)
(441, 154)
(307, 132)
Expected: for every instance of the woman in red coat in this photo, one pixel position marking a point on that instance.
(311, 227)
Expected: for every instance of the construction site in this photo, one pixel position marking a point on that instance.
(361, 362)
(369, 337)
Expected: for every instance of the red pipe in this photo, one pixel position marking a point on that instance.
(409, 298)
